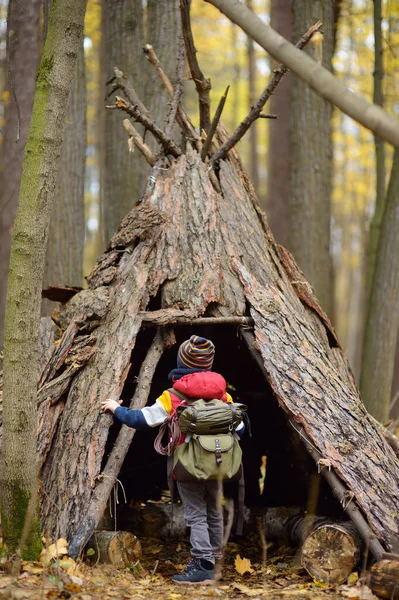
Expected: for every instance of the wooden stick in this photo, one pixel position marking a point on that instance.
(137, 140)
(123, 83)
(163, 317)
(214, 124)
(255, 110)
(389, 437)
(202, 85)
(168, 145)
(109, 475)
(181, 116)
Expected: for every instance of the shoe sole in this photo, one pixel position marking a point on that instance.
(205, 582)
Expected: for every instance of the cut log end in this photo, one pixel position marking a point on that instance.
(384, 579)
(118, 548)
(329, 554)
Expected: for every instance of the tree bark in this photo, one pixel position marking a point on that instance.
(318, 78)
(311, 164)
(19, 485)
(64, 257)
(279, 155)
(123, 174)
(23, 57)
(383, 314)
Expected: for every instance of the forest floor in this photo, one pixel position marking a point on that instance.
(279, 577)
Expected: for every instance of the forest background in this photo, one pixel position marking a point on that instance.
(111, 180)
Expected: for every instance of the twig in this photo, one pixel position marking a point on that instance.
(254, 113)
(168, 145)
(181, 116)
(267, 116)
(214, 124)
(202, 84)
(137, 140)
(123, 84)
(177, 92)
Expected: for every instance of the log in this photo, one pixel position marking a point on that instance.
(118, 548)
(162, 520)
(384, 578)
(330, 553)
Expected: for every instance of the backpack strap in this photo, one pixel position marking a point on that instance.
(180, 395)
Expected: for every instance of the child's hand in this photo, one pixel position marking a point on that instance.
(110, 404)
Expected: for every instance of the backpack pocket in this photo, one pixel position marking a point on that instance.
(207, 457)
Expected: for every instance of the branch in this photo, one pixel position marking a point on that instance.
(214, 124)
(123, 84)
(168, 145)
(318, 78)
(255, 111)
(202, 84)
(137, 140)
(181, 116)
(108, 477)
(177, 92)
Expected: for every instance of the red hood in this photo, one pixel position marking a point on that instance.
(205, 384)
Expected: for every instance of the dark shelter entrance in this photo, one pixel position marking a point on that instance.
(291, 478)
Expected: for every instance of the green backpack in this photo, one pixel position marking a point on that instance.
(211, 449)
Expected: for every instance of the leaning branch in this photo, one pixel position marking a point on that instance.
(214, 124)
(136, 139)
(202, 85)
(108, 477)
(168, 145)
(255, 111)
(181, 116)
(177, 92)
(121, 82)
(318, 78)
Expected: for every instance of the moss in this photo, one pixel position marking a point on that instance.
(46, 66)
(13, 524)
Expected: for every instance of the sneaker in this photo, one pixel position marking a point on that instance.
(197, 571)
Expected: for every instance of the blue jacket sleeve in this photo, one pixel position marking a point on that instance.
(132, 418)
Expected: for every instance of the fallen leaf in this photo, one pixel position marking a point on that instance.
(353, 578)
(60, 548)
(243, 565)
(244, 589)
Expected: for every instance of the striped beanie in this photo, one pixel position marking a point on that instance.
(196, 353)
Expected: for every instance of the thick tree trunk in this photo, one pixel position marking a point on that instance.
(123, 174)
(64, 258)
(279, 155)
(383, 314)
(311, 164)
(18, 473)
(23, 57)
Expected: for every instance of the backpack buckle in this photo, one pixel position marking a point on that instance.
(218, 452)
(192, 427)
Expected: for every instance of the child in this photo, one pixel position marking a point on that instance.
(201, 499)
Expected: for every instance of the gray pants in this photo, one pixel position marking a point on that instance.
(202, 503)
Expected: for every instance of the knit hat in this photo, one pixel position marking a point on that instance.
(196, 353)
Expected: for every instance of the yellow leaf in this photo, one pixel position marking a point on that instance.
(320, 584)
(60, 548)
(243, 565)
(353, 578)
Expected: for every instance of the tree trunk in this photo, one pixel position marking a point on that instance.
(118, 548)
(384, 579)
(383, 314)
(23, 57)
(18, 473)
(279, 155)
(64, 257)
(378, 98)
(122, 174)
(311, 165)
(163, 33)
